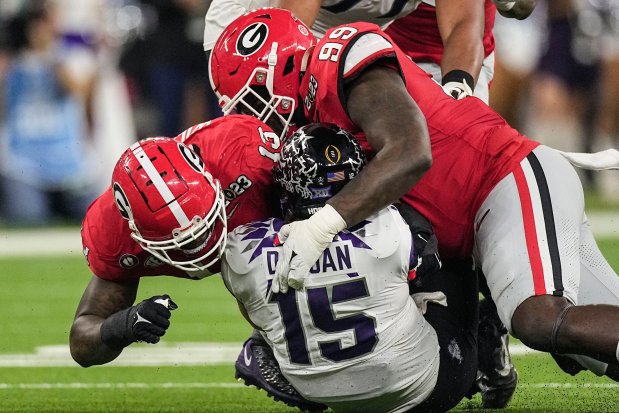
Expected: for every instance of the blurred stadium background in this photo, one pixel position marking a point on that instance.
(144, 74)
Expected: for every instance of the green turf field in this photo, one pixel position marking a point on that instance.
(39, 297)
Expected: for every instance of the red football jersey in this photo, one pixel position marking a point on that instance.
(418, 36)
(473, 148)
(237, 150)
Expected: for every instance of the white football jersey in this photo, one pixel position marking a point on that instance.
(353, 337)
(332, 13)
(380, 12)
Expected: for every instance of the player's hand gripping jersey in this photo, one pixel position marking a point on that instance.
(353, 338)
(472, 146)
(239, 153)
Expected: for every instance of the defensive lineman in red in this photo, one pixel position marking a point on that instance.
(161, 184)
(517, 206)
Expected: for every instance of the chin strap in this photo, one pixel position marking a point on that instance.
(272, 62)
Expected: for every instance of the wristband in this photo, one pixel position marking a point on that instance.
(114, 330)
(459, 76)
(328, 221)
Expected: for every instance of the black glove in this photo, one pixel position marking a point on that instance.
(146, 321)
(424, 241)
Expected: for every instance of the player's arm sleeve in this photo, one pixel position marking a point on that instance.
(234, 283)
(367, 49)
(106, 268)
(231, 269)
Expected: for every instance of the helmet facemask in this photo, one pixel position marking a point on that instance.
(257, 64)
(175, 209)
(257, 98)
(182, 248)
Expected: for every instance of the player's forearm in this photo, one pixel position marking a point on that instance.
(383, 181)
(395, 128)
(467, 57)
(85, 343)
(461, 26)
(100, 300)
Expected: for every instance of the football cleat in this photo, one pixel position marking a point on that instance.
(498, 386)
(497, 376)
(256, 366)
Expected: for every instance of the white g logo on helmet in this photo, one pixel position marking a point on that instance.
(252, 38)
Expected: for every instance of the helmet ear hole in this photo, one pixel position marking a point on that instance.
(289, 66)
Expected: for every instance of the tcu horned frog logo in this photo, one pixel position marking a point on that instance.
(252, 38)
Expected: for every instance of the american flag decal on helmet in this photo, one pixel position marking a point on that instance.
(335, 176)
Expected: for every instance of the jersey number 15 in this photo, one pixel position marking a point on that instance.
(323, 318)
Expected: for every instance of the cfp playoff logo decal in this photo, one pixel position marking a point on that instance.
(251, 39)
(333, 154)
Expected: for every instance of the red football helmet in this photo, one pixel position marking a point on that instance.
(257, 63)
(171, 202)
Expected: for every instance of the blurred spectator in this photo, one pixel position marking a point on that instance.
(167, 64)
(603, 22)
(518, 50)
(92, 33)
(44, 151)
(564, 90)
(572, 95)
(557, 77)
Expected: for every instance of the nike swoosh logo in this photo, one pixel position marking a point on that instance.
(247, 359)
(232, 211)
(141, 319)
(165, 303)
(481, 220)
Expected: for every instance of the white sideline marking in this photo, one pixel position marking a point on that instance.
(569, 385)
(115, 386)
(40, 242)
(161, 354)
(45, 386)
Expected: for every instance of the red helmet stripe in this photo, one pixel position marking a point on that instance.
(161, 186)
